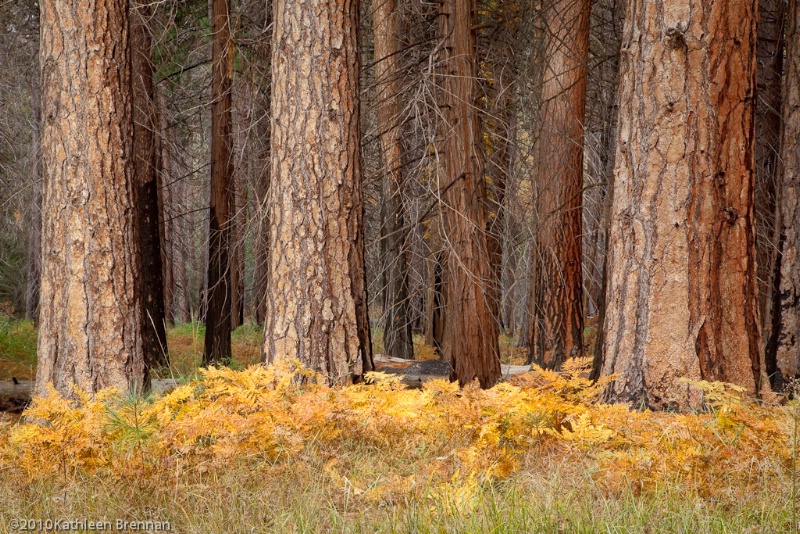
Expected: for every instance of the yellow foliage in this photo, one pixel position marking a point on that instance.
(455, 438)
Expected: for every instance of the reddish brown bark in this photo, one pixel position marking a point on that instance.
(471, 330)
(219, 290)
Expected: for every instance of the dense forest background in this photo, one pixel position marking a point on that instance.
(527, 220)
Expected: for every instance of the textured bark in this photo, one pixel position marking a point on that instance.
(769, 70)
(557, 313)
(397, 340)
(146, 166)
(784, 348)
(470, 341)
(682, 299)
(219, 290)
(316, 293)
(90, 319)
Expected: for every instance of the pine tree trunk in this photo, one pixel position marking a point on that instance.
(397, 340)
(90, 319)
(471, 330)
(557, 313)
(219, 290)
(316, 293)
(146, 166)
(783, 350)
(682, 292)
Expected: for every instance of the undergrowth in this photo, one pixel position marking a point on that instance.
(538, 453)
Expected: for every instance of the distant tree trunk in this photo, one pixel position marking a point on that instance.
(498, 122)
(316, 294)
(35, 238)
(237, 257)
(682, 291)
(175, 234)
(434, 290)
(557, 312)
(783, 348)
(612, 14)
(91, 318)
(471, 330)
(768, 138)
(146, 166)
(219, 290)
(262, 185)
(166, 220)
(397, 340)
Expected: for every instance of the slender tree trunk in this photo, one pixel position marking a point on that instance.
(434, 287)
(35, 238)
(316, 294)
(471, 330)
(91, 318)
(167, 222)
(397, 340)
(682, 292)
(262, 185)
(770, 48)
(237, 257)
(557, 313)
(146, 165)
(783, 348)
(219, 291)
(612, 15)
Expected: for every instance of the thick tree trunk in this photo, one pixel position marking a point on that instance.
(471, 329)
(557, 313)
(397, 340)
(219, 290)
(316, 294)
(682, 291)
(146, 166)
(90, 319)
(768, 138)
(783, 349)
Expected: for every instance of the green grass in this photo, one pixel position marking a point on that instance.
(17, 349)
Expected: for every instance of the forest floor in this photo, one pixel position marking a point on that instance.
(252, 450)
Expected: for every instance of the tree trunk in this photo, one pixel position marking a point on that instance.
(783, 349)
(682, 292)
(557, 313)
(397, 340)
(612, 14)
(146, 165)
(316, 294)
(91, 318)
(262, 184)
(219, 290)
(35, 238)
(769, 70)
(471, 330)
